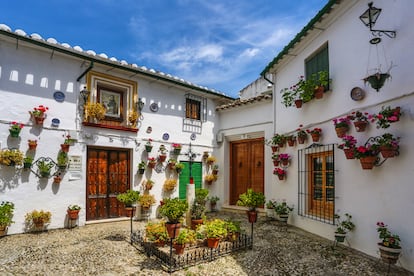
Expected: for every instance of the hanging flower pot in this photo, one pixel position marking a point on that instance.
(291, 141)
(275, 148)
(377, 80)
(14, 132)
(65, 147)
(276, 162)
(57, 179)
(39, 120)
(301, 139)
(151, 164)
(360, 126)
(315, 137)
(349, 153)
(387, 151)
(281, 176)
(298, 103)
(162, 158)
(368, 162)
(32, 144)
(341, 131)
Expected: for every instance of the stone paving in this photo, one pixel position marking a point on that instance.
(104, 249)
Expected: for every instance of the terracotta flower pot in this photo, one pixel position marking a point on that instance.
(281, 176)
(173, 229)
(65, 147)
(301, 139)
(360, 125)
(315, 137)
(319, 92)
(179, 248)
(387, 152)
(368, 162)
(298, 103)
(275, 148)
(341, 131)
(162, 158)
(39, 120)
(213, 242)
(32, 146)
(349, 153)
(276, 162)
(151, 165)
(129, 211)
(73, 214)
(252, 215)
(291, 142)
(195, 223)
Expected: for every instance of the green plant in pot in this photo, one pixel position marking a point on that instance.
(44, 166)
(6, 215)
(213, 202)
(184, 237)
(251, 200)
(233, 229)
(27, 162)
(215, 230)
(174, 210)
(343, 227)
(141, 167)
(129, 198)
(156, 232)
(62, 160)
(198, 208)
(283, 210)
(179, 167)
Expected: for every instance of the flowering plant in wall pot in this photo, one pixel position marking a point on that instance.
(389, 246)
(15, 129)
(387, 116)
(281, 173)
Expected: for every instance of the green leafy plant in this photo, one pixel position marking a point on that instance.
(344, 226)
(129, 197)
(251, 199)
(185, 236)
(62, 159)
(282, 208)
(44, 166)
(156, 232)
(388, 239)
(40, 216)
(213, 199)
(6, 213)
(216, 228)
(11, 157)
(174, 209)
(146, 200)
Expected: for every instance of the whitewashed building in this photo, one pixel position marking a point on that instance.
(104, 159)
(320, 180)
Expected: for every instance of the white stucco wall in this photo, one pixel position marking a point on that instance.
(28, 77)
(384, 193)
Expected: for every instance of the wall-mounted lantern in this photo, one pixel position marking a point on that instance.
(369, 17)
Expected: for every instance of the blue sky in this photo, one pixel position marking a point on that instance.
(220, 44)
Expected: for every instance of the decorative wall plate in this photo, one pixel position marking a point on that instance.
(149, 129)
(165, 136)
(59, 96)
(154, 107)
(193, 136)
(55, 122)
(357, 94)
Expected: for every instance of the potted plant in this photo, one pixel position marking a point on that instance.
(6, 215)
(389, 246)
(32, 144)
(37, 219)
(179, 167)
(251, 200)
(66, 144)
(185, 236)
(170, 184)
(215, 230)
(213, 202)
(73, 211)
(163, 153)
(94, 112)
(39, 114)
(301, 134)
(377, 79)
(279, 140)
(321, 82)
(129, 198)
(198, 208)
(348, 146)
(388, 145)
(215, 169)
(176, 148)
(341, 125)
(292, 94)
(62, 160)
(284, 159)
(27, 162)
(148, 184)
(270, 208)
(360, 120)
(283, 210)
(148, 145)
(315, 133)
(281, 173)
(387, 116)
(141, 167)
(15, 129)
(173, 209)
(367, 156)
(57, 178)
(171, 163)
(151, 162)
(156, 232)
(11, 157)
(44, 167)
(233, 229)
(291, 140)
(343, 227)
(209, 178)
(146, 201)
(211, 160)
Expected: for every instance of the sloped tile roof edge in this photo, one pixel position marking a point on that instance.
(239, 102)
(318, 17)
(90, 55)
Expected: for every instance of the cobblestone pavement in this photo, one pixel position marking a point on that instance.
(104, 249)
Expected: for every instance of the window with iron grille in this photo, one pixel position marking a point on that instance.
(316, 198)
(319, 61)
(195, 113)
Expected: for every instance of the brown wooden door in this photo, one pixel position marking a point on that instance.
(107, 175)
(246, 167)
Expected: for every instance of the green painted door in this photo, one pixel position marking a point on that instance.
(196, 171)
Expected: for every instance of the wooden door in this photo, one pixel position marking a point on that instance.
(246, 167)
(107, 174)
